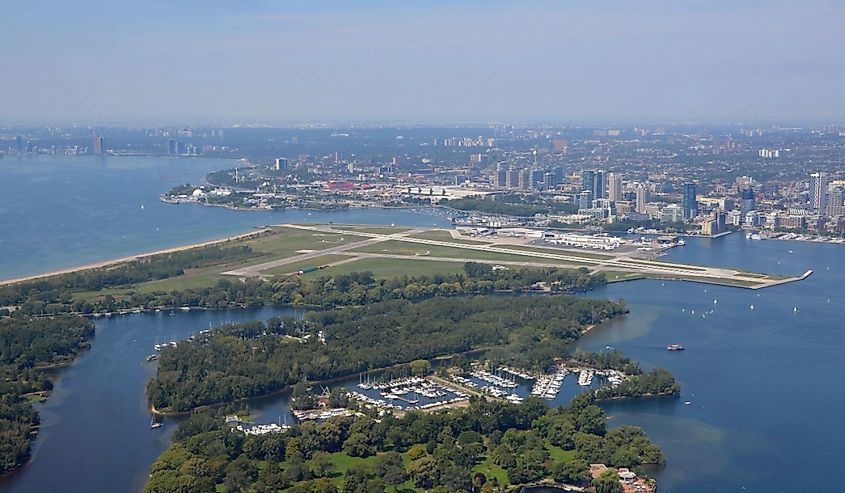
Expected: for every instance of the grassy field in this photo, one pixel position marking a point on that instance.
(281, 243)
(558, 454)
(491, 470)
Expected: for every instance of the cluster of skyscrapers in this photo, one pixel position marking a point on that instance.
(514, 178)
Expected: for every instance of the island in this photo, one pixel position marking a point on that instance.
(354, 273)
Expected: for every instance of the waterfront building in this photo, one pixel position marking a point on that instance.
(690, 200)
(747, 202)
(754, 219)
(99, 146)
(734, 218)
(672, 213)
(172, 147)
(818, 191)
(836, 202)
(281, 164)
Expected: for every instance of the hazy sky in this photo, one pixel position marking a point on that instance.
(279, 61)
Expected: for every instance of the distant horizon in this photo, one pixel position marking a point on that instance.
(422, 61)
(362, 123)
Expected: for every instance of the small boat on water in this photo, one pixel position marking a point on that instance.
(674, 347)
(152, 357)
(154, 424)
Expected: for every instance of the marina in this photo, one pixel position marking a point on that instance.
(237, 424)
(403, 394)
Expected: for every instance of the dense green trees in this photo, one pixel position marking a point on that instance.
(437, 450)
(655, 382)
(27, 345)
(252, 359)
(54, 295)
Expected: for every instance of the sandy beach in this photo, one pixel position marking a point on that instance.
(122, 260)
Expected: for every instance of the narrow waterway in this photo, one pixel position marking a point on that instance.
(95, 431)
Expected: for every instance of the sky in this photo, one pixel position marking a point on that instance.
(422, 61)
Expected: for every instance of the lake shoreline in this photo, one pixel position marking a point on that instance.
(132, 258)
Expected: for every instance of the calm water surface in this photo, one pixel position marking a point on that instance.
(62, 211)
(764, 385)
(95, 428)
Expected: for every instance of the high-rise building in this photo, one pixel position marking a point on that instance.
(549, 180)
(19, 144)
(746, 203)
(172, 147)
(642, 198)
(588, 178)
(281, 164)
(512, 180)
(536, 179)
(690, 203)
(836, 202)
(585, 200)
(524, 180)
(599, 184)
(501, 177)
(614, 187)
(818, 191)
(99, 146)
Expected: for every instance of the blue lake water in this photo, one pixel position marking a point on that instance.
(764, 385)
(60, 211)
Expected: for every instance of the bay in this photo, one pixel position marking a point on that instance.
(59, 212)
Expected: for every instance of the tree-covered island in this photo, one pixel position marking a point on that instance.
(357, 322)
